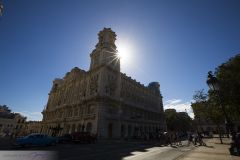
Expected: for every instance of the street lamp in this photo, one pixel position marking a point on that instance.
(213, 84)
(1, 8)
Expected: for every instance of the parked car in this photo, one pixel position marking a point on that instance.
(83, 137)
(36, 139)
(65, 138)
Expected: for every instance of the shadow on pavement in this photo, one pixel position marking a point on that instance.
(102, 150)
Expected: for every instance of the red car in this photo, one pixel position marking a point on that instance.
(84, 137)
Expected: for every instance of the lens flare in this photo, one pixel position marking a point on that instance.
(124, 53)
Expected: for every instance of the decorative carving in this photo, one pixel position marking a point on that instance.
(106, 39)
(111, 85)
(93, 86)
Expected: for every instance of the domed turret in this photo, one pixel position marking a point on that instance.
(154, 86)
(105, 52)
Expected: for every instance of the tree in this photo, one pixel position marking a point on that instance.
(211, 105)
(207, 109)
(177, 121)
(228, 75)
(200, 96)
(207, 106)
(200, 105)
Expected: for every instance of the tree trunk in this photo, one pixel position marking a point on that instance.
(220, 134)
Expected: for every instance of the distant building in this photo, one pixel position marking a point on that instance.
(203, 123)
(170, 110)
(11, 124)
(33, 127)
(103, 100)
(206, 125)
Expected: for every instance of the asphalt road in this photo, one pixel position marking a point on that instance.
(123, 151)
(113, 150)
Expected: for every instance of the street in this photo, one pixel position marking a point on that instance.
(131, 150)
(117, 150)
(123, 151)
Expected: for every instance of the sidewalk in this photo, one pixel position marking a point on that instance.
(213, 151)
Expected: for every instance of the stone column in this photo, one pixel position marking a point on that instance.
(101, 121)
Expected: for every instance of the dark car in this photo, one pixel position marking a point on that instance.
(83, 137)
(36, 139)
(65, 138)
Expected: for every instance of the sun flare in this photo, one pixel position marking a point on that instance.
(124, 53)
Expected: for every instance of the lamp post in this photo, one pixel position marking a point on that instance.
(1, 8)
(213, 84)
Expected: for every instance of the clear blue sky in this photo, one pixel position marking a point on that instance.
(176, 43)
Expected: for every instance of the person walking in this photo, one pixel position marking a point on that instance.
(195, 138)
(200, 139)
(190, 138)
(178, 139)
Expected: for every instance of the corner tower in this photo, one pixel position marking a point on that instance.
(105, 52)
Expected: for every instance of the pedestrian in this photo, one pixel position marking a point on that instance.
(178, 138)
(167, 139)
(172, 138)
(190, 138)
(195, 138)
(200, 139)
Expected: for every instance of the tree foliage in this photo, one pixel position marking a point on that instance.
(207, 109)
(209, 106)
(228, 75)
(200, 96)
(177, 121)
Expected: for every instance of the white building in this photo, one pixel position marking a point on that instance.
(103, 100)
(11, 124)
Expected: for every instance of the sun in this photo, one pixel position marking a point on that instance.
(124, 53)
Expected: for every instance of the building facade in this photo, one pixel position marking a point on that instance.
(11, 124)
(103, 100)
(33, 127)
(206, 125)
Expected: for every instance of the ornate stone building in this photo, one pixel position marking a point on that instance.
(103, 100)
(33, 127)
(11, 124)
